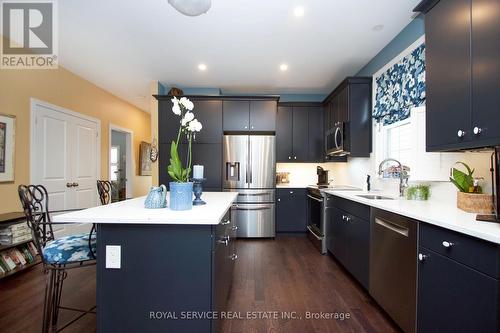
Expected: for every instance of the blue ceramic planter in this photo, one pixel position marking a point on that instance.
(181, 196)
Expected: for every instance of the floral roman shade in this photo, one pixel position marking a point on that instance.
(401, 88)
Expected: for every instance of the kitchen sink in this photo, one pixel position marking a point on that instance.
(374, 197)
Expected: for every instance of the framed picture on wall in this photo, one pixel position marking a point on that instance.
(144, 159)
(7, 143)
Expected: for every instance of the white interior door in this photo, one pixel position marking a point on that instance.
(65, 159)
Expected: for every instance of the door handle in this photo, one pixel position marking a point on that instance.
(314, 198)
(393, 227)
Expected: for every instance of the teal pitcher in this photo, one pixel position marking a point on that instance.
(157, 197)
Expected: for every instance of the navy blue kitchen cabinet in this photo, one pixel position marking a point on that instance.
(207, 111)
(291, 210)
(348, 237)
(284, 128)
(300, 135)
(299, 132)
(486, 72)
(236, 115)
(462, 73)
(179, 268)
(350, 103)
(316, 149)
(243, 115)
(459, 287)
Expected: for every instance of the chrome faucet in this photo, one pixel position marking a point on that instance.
(403, 174)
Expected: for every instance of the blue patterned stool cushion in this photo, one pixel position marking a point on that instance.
(69, 249)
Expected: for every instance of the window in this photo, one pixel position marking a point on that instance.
(114, 163)
(405, 142)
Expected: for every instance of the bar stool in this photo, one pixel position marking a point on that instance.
(58, 255)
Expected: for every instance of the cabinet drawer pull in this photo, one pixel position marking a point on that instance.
(448, 244)
(422, 257)
(477, 130)
(461, 133)
(224, 240)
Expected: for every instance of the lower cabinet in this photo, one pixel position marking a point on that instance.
(456, 294)
(348, 239)
(291, 210)
(223, 260)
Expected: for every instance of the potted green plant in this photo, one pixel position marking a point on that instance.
(470, 197)
(181, 189)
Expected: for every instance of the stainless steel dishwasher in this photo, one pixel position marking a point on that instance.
(393, 266)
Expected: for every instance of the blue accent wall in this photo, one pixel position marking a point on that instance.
(413, 31)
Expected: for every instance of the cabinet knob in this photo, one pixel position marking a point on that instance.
(289, 157)
(279, 199)
(291, 192)
(235, 227)
(234, 256)
(226, 222)
(295, 157)
(447, 244)
(246, 127)
(422, 257)
(252, 127)
(477, 130)
(461, 133)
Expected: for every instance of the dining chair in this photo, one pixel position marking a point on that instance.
(58, 255)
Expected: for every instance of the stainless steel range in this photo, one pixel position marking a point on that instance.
(318, 208)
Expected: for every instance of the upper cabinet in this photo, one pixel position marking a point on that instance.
(351, 103)
(207, 111)
(462, 73)
(249, 115)
(299, 134)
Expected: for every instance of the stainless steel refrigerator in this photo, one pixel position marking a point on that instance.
(249, 168)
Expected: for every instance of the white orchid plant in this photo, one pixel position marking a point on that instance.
(189, 125)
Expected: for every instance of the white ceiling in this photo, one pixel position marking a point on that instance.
(123, 45)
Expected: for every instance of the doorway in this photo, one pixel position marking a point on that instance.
(120, 162)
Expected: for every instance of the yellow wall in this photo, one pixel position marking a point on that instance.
(65, 89)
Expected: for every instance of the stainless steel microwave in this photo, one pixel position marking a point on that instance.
(337, 139)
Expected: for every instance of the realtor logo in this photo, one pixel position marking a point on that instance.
(29, 35)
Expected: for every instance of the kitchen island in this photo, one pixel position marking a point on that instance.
(175, 267)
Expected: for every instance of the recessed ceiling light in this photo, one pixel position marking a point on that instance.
(202, 67)
(283, 67)
(298, 11)
(378, 27)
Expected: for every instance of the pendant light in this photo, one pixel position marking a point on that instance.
(191, 7)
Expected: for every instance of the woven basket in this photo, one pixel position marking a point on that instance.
(475, 203)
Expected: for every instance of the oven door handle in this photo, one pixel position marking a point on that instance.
(314, 198)
(314, 234)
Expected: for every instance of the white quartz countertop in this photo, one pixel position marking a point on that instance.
(132, 211)
(433, 212)
(291, 185)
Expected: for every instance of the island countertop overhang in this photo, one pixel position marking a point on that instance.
(132, 211)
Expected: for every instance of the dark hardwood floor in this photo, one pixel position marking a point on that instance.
(287, 274)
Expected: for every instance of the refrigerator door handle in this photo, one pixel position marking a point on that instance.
(249, 166)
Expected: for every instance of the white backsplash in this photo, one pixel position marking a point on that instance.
(354, 173)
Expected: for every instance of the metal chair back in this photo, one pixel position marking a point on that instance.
(104, 188)
(35, 203)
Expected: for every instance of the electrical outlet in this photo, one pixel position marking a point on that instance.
(113, 256)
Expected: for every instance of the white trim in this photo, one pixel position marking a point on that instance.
(130, 167)
(33, 103)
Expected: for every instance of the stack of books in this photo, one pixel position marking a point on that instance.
(16, 257)
(15, 233)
